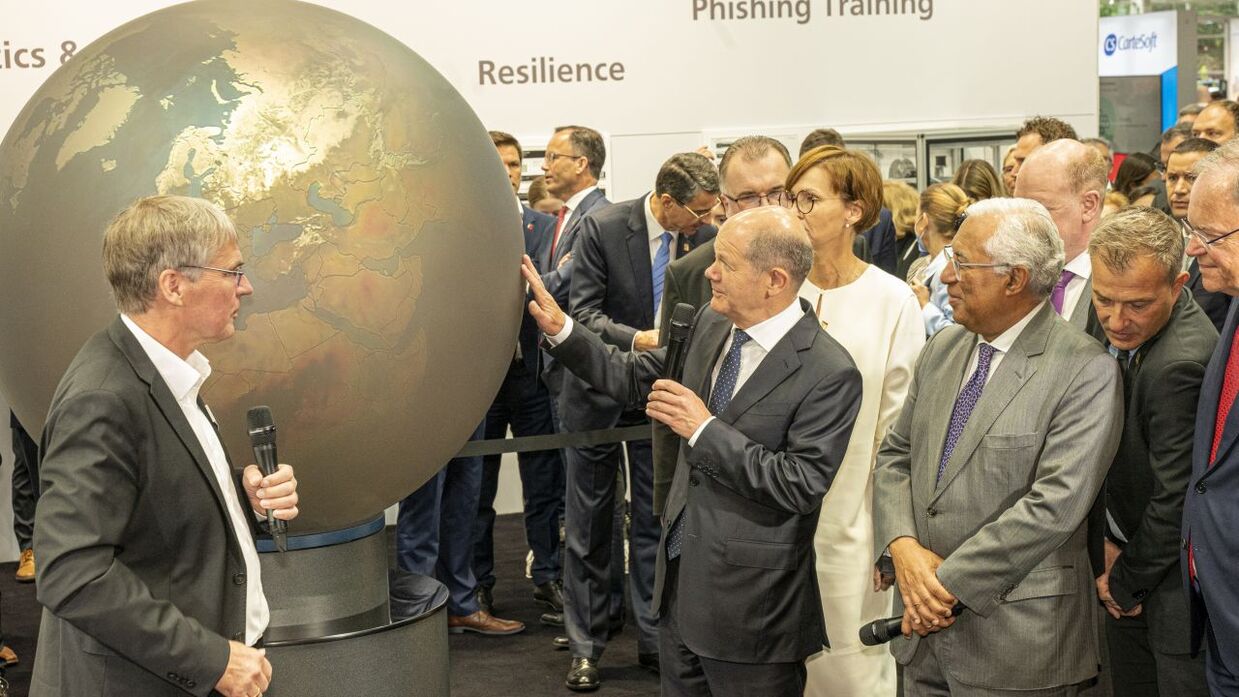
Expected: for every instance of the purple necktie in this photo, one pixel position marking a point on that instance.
(1060, 290)
(964, 403)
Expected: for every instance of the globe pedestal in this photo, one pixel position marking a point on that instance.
(342, 623)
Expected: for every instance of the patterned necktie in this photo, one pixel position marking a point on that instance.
(659, 271)
(1060, 291)
(724, 388)
(964, 403)
(1230, 390)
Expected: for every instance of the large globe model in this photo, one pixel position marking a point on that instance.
(379, 232)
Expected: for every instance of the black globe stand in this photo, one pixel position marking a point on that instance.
(343, 624)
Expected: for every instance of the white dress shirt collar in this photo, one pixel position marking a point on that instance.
(183, 376)
(770, 331)
(575, 199)
(654, 229)
(1081, 266)
(1004, 341)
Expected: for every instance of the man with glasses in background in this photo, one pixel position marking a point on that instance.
(1210, 517)
(751, 174)
(981, 490)
(621, 257)
(1180, 176)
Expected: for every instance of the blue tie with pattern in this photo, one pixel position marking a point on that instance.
(724, 388)
(964, 403)
(659, 271)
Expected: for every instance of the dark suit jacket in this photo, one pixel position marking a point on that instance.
(1215, 305)
(881, 243)
(750, 489)
(612, 295)
(1146, 484)
(558, 279)
(538, 228)
(140, 573)
(1210, 516)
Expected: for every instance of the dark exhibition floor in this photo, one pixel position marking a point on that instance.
(525, 664)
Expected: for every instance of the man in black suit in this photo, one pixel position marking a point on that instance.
(1162, 341)
(1180, 175)
(148, 572)
(524, 404)
(750, 174)
(622, 254)
(1210, 517)
(765, 408)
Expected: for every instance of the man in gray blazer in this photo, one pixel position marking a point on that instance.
(983, 485)
(765, 407)
(1069, 178)
(148, 572)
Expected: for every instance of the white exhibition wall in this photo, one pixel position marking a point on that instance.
(657, 76)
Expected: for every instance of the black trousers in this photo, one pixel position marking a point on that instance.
(25, 483)
(1138, 668)
(685, 674)
(524, 404)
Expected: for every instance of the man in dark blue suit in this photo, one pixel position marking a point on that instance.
(524, 404)
(622, 252)
(1210, 516)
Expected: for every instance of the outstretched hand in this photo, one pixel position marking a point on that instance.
(543, 308)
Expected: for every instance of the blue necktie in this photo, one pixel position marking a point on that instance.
(964, 403)
(724, 388)
(661, 258)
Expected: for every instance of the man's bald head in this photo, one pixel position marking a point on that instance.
(775, 237)
(761, 258)
(1068, 178)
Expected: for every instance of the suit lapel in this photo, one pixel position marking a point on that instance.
(1079, 315)
(638, 242)
(710, 337)
(1010, 376)
(782, 360)
(168, 406)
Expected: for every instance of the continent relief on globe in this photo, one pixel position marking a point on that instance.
(378, 230)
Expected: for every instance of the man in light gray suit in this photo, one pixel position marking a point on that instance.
(983, 485)
(1069, 179)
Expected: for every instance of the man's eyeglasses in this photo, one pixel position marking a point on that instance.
(803, 201)
(698, 215)
(550, 157)
(1205, 241)
(237, 274)
(747, 201)
(958, 265)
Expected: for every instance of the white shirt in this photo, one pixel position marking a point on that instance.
(1082, 267)
(575, 200)
(762, 337)
(1001, 343)
(184, 378)
(655, 231)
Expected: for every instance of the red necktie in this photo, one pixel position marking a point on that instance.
(559, 224)
(1230, 389)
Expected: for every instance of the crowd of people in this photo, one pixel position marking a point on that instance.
(997, 408)
(1009, 514)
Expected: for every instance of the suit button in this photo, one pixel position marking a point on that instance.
(190, 684)
(1200, 488)
(238, 579)
(172, 676)
(931, 511)
(692, 481)
(1140, 594)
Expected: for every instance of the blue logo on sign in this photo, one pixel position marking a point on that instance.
(1111, 45)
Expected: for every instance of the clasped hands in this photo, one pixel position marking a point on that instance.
(669, 402)
(927, 604)
(1103, 586)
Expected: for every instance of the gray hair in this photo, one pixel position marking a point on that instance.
(751, 149)
(1138, 231)
(1025, 236)
(685, 174)
(778, 240)
(157, 233)
(1226, 161)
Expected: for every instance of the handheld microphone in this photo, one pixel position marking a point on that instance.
(681, 328)
(262, 438)
(881, 631)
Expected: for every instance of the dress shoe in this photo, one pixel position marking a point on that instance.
(560, 643)
(486, 600)
(7, 657)
(550, 594)
(483, 622)
(552, 619)
(583, 675)
(648, 661)
(25, 567)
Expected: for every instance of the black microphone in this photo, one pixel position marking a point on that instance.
(262, 438)
(881, 631)
(681, 328)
